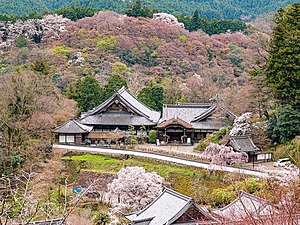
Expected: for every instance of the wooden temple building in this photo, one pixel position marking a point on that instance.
(181, 123)
(244, 143)
(171, 207)
(187, 123)
(110, 120)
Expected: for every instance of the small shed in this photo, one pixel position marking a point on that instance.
(245, 144)
(72, 132)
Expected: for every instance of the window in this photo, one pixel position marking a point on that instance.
(70, 138)
(62, 138)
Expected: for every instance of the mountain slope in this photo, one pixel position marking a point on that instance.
(220, 9)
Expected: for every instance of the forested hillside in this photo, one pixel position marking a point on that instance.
(226, 9)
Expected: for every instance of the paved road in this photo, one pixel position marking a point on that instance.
(182, 161)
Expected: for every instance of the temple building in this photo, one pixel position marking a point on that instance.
(247, 206)
(110, 121)
(172, 208)
(187, 123)
(123, 115)
(244, 143)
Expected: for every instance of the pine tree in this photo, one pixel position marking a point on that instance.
(283, 68)
(152, 96)
(114, 83)
(88, 93)
(195, 21)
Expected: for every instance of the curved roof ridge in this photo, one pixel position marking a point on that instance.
(205, 114)
(140, 107)
(123, 89)
(73, 122)
(83, 126)
(94, 110)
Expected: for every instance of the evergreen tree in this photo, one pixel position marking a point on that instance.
(88, 93)
(137, 10)
(41, 67)
(76, 12)
(283, 67)
(114, 83)
(284, 125)
(195, 21)
(21, 41)
(152, 96)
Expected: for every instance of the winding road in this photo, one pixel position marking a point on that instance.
(166, 158)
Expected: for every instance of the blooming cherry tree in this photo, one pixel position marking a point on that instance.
(222, 155)
(50, 26)
(167, 18)
(134, 188)
(241, 125)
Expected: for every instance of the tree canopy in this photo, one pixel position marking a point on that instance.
(284, 125)
(88, 93)
(213, 26)
(114, 83)
(226, 9)
(283, 67)
(152, 96)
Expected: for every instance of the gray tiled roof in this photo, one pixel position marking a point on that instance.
(163, 209)
(205, 125)
(73, 127)
(131, 102)
(194, 113)
(244, 205)
(184, 111)
(115, 118)
(166, 209)
(242, 143)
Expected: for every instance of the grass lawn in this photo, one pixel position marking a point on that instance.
(191, 181)
(101, 163)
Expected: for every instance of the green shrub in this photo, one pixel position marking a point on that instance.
(221, 197)
(253, 185)
(102, 218)
(284, 125)
(21, 41)
(61, 50)
(152, 136)
(182, 38)
(40, 66)
(107, 43)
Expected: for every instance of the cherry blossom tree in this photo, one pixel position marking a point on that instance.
(167, 18)
(223, 155)
(241, 125)
(50, 26)
(134, 188)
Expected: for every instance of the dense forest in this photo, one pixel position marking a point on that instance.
(54, 67)
(228, 9)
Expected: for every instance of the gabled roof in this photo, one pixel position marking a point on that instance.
(174, 121)
(185, 111)
(117, 119)
(195, 114)
(242, 143)
(246, 205)
(130, 101)
(73, 127)
(165, 209)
